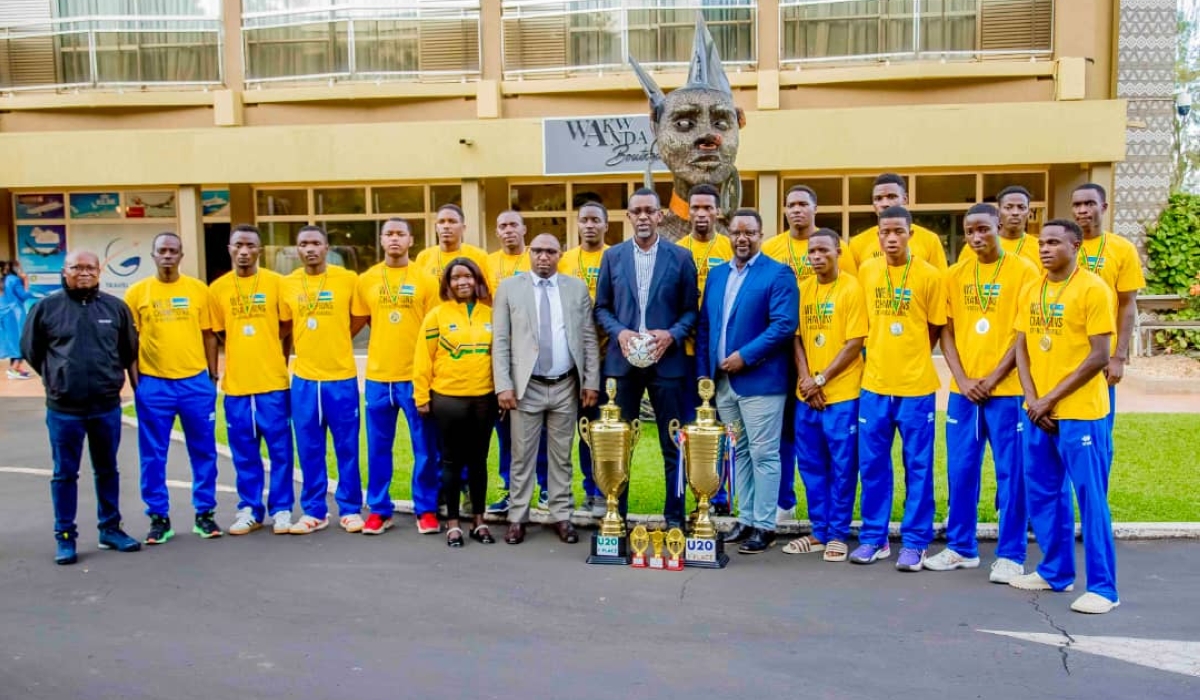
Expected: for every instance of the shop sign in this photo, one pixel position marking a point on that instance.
(599, 146)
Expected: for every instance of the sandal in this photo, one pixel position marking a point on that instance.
(454, 537)
(835, 551)
(483, 535)
(804, 545)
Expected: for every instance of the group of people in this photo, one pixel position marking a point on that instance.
(14, 295)
(821, 352)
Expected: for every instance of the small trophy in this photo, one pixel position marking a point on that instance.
(612, 441)
(639, 541)
(675, 543)
(702, 455)
(656, 541)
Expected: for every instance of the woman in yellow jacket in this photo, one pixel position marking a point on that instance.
(452, 379)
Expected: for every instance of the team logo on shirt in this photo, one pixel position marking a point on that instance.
(325, 295)
(1094, 263)
(893, 302)
(452, 326)
(258, 298)
(180, 303)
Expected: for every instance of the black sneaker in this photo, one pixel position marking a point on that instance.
(758, 543)
(720, 509)
(738, 533)
(115, 538)
(205, 526)
(160, 530)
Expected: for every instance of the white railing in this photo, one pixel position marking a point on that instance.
(548, 38)
(111, 52)
(844, 31)
(360, 40)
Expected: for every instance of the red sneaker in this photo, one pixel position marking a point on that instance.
(376, 524)
(428, 524)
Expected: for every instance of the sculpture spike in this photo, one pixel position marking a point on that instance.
(705, 70)
(653, 91)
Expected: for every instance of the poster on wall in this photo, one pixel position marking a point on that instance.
(95, 205)
(215, 202)
(39, 206)
(124, 252)
(42, 248)
(158, 204)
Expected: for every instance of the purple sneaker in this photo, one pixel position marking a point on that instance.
(910, 559)
(869, 553)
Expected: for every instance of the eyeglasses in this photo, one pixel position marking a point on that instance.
(83, 268)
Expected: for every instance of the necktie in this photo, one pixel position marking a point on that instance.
(545, 342)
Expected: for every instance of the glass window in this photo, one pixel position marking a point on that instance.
(537, 225)
(398, 200)
(830, 221)
(538, 197)
(861, 188)
(861, 221)
(281, 202)
(947, 225)
(299, 50)
(353, 244)
(749, 194)
(445, 194)
(613, 195)
(616, 230)
(341, 200)
(948, 25)
(1034, 182)
(945, 189)
(828, 189)
(279, 245)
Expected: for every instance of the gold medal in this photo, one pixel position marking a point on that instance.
(819, 341)
(1046, 343)
(394, 317)
(247, 330)
(982, 326)
(312, 323)
(896, 328)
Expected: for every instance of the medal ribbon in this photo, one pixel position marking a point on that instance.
(310, 302)
(681, 441)
(731, 460)
(897, 299)
(246, 302)
(1045, 310)
(1083, 258)
(581, 270)
(387, 289)
(985, 299)
(795, 263)
(690, 246)
(822, 317)
(1020, 245)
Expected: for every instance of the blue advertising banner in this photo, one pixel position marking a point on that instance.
(42, 249)
(95, 205)
(39, 206)
(215, 202)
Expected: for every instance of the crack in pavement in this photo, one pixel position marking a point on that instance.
(1065, 646)
(683, 587)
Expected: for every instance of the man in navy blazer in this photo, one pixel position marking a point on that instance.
(747, 325)
(647, 286)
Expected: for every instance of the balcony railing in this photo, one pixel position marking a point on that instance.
(563, 38)
(111, 52)
(364, 40)
(843, 31)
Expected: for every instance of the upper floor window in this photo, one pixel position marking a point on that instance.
(57, 44)
(360, 40)
(851, 30)
(562, 38)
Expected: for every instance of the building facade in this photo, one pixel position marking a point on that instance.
(120, 119)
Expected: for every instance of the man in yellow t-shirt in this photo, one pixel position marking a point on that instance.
(317, 299)
(177, 361)
(511, 260)
(450, 225)
(583, 262)
(985, 396)
(829, 342)
(890, 190)
(791, 248)
(1013, 203)
(906, 308)
(708, 247)
(245, 313)
(395, 296)
(1116, 261)
(1064, 328)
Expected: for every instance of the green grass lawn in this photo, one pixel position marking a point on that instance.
(1155, 477)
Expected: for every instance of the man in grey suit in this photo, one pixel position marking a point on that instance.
(545, 363)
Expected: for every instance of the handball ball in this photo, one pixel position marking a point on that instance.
(641, 354)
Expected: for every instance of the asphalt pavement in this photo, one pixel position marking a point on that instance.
(334, 615)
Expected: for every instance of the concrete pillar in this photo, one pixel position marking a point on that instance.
(768, 203)
(231, 51)
(474, 209)
(191, 230)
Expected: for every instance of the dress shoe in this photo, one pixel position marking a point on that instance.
(516, 533)
(66, 552)
(720, 509)
(672, 524)
(758, 543)
(738, 533)
(566, 532)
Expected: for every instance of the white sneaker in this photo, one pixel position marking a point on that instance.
(1093, 604)
(308, 525)
(1034, 582)
(282, 522)
(352, 523)
(949, 560)
(244, 523)
(782, 514)
(1005, 570)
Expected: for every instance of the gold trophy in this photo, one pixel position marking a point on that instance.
(612, 441)
(675, 544)
(656, 541)
(639, 540)
(702, 457)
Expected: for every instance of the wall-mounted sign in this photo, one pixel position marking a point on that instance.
(150, 205)
(40, 206)
(42, 249)
(124, 252)
(599, 146)
(95, 205)
(215, 202)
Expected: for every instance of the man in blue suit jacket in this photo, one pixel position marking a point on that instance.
(648, 286)
(747, 325)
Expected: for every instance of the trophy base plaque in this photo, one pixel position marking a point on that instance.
(704, 553)
(607, 549)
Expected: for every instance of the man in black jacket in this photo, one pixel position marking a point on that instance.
(82, 342)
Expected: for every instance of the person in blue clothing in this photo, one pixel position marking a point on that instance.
(12, 317)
